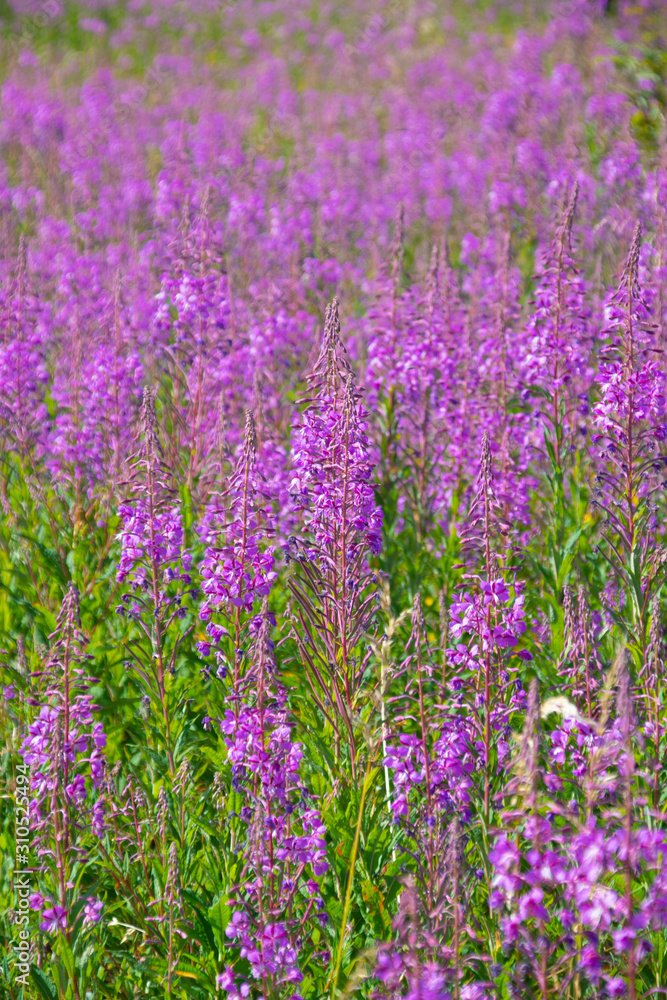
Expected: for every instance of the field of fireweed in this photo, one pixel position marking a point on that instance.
(333, 434)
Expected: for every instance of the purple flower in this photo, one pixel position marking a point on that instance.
(238, 565)
(145, 540)
(225, 981)
(98, 825)
(92, 912)
(334, 496)
(590, 962)
(55, 919)
(76, 789)
(615, 986)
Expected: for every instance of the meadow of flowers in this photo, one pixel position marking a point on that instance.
(333, 436)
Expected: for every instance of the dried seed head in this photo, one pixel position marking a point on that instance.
(418, 614)
(21, 656)
(183, 777)
(249, 453)
(162, 808)
(218, 790)
(564, 236)
(148, 424)
(173, 885)
(527, 763)
(630, 278)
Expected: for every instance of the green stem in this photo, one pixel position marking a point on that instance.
(350, 880)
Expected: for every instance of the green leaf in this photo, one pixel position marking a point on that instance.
(219, 915)
(46, 988)
(158, 758)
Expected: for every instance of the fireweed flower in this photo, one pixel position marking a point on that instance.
(554, 863)
(64, 748)
(557, 334)
(238, 564)
(145, 539)
(97, 381)
(418, 964)
(385, 321)
(410, 366)
(431, 779)
(284, 835)
(92, 912)
(341, 527)
(332, 471)
(451, 765)
(631, 384)
(193, 310)
(225, 981)
(631, 426)
(431, 773)
(152, 552)
(469, 616)
(569, 878)
(489, 624)
(486, 352)
(157, 565)
(55, 919)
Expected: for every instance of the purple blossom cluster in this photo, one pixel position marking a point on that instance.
(452, 764)
(332, 472)
(631, 383)
(64, 749)
(571, 876)
(236, 571)
(491, 615)
(46, 739)
(238, 564)
(279, 901)
(148, 538)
